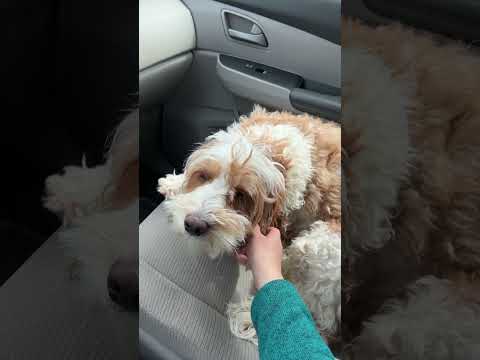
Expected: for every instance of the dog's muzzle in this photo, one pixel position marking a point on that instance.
(122, 283)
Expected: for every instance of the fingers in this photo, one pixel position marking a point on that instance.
(273, 232)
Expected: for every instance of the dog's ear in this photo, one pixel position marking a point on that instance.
(273, 209)
(126, 186)
(274, 204)
(272, 215)
(263, 204)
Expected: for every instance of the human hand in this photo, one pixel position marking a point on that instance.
(263, 254)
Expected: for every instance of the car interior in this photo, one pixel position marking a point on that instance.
(201, 65)
(227, 56)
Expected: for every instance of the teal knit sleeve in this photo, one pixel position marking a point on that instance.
(284, 326)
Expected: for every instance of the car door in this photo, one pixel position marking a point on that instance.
(216, 59)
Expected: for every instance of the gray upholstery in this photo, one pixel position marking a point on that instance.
(45, 315)
(183, 299)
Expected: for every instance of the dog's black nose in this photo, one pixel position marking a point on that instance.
(195, 226)
(123, 284)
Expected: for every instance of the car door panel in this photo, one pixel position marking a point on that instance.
(157, 81)
(319, 60)
(212, 94)
(256, 82)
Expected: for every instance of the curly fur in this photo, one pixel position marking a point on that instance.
(313, 263)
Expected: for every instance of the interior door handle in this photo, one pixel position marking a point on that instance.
(257, 39)
(242, 28)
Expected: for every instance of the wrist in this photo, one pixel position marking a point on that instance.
(260, 281)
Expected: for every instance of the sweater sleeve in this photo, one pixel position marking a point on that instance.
(284, 325)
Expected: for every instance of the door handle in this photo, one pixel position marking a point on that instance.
(258, 39)
(241, 28)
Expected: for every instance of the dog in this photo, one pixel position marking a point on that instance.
(269, 169)
(99, 208)
(410, 226)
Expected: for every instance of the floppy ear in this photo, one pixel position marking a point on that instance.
(265, 197)
(273, 215)
(273, 205)
(274, 202)
(126, 187)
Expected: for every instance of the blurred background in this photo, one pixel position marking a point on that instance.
(67, 69)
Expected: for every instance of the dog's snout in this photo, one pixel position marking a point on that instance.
(195, 226)
(123, 284)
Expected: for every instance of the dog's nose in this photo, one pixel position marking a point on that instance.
(195, 226)
(123, 283)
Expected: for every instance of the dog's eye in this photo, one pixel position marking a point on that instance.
(203, 176)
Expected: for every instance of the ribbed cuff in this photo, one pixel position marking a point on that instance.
(273, 295)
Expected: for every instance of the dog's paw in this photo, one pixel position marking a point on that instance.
(170, 185)
(240, 320)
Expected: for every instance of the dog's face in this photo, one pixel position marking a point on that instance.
(229, 186)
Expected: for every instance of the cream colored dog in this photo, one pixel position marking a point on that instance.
(271, 169)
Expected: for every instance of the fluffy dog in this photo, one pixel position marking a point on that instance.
(422, 214)
(99, 207)
(272, 169)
